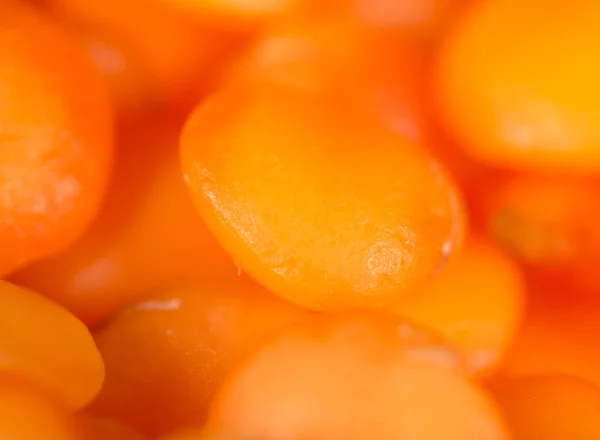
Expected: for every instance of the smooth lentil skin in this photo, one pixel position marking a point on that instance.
(191, 434)
(98, 428)
(423, 19)
(148, 235)
(417, 21)
(557, 336)
(477, 302)
(236, 13)
(353, 377)
(166, 356)
(28, 413)
(56, 143)
(318, 163)
(549, 407)
(305, 52)
(516, 84)
(124, 71)
(549, 224)
(177, 57)
(327, 217)
(380, 69)
(186, 434)
(44, 342)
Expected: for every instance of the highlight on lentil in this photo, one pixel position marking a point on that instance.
(299, 220)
